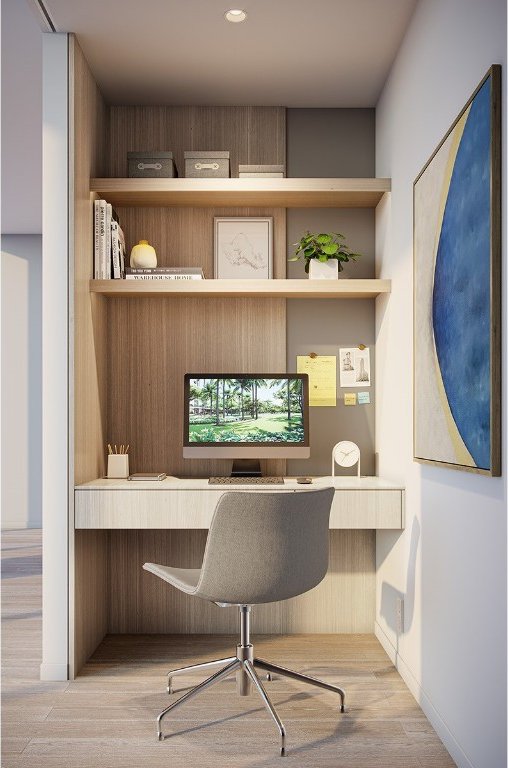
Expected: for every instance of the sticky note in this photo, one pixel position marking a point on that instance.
(349, 398)
(363, 398)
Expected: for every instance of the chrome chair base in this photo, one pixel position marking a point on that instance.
(194, 667)
(275, 668)
(245, 663)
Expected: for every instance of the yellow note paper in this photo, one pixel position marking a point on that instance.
(349, 398)
(322, 371)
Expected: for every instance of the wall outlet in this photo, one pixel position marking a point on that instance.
(399, 612)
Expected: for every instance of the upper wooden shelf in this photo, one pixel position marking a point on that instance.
(286, 289)
(280, 193)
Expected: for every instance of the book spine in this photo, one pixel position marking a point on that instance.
(248, 175)
(129, 276)
(164, 271)
(108, 270)
(115, 250)
(96, 247)
(102, 239)
(121, 245)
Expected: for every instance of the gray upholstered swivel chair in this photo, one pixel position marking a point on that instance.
(261, 547)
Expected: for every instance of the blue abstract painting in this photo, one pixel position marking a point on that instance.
(452, 244)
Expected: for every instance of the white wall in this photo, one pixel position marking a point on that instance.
(21, 119)
(21, 381)
(450, 563)
(21, 265)
(57, 428)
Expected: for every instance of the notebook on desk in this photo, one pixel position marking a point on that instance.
(147, 476)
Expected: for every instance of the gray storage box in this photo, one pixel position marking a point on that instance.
(206, 165)
(151, 165)
(261, 171)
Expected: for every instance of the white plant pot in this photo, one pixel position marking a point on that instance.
(323, 270)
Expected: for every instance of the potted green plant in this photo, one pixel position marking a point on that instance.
(324, 254)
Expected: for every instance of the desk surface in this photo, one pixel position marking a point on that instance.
(198, 484)
(359, 502)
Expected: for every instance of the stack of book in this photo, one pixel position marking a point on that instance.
(165, 273)
(109, 243)
(261, 171)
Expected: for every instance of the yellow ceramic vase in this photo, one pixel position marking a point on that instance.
(143, 256)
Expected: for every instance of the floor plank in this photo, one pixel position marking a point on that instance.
(106, 717)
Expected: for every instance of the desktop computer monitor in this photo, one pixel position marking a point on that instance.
(246, 416)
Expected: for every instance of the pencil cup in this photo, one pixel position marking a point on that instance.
(118, 465)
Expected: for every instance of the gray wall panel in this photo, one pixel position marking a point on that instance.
(325, 143)
(333, 143)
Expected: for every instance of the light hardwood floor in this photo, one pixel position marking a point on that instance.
(106, 718)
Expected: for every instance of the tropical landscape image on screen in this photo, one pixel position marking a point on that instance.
(246, 410)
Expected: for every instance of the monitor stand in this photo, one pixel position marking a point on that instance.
(246, 468)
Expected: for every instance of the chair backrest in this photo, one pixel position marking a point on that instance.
(264, 547)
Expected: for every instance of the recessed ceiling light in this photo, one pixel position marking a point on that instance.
(235, 15)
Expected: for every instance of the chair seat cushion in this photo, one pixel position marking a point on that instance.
(185, 579)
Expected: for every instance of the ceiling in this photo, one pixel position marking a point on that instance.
(294, 53)
(310, 53)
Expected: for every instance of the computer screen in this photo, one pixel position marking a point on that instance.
(246, 416)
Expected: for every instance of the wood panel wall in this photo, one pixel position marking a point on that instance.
(185, 236)
(251, 134)
(152, 343)
(141, 602)
(88, 553)
(91, 557)
(90, 116)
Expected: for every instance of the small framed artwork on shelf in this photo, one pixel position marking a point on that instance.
(243, 247)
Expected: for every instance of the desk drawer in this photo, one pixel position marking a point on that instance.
(376, 509)
(145, 509)
(183, 508)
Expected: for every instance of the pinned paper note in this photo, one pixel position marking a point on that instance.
(354, 367)
(350, 398)
(363, 398)
(322, 372)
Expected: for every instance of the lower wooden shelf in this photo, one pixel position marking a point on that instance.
(288, 289)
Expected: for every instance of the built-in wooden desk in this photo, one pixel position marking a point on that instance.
(121, 524)
(173, 503)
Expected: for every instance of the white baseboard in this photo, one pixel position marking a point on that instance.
(54, 672)
(423, 700)
(16, 525)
